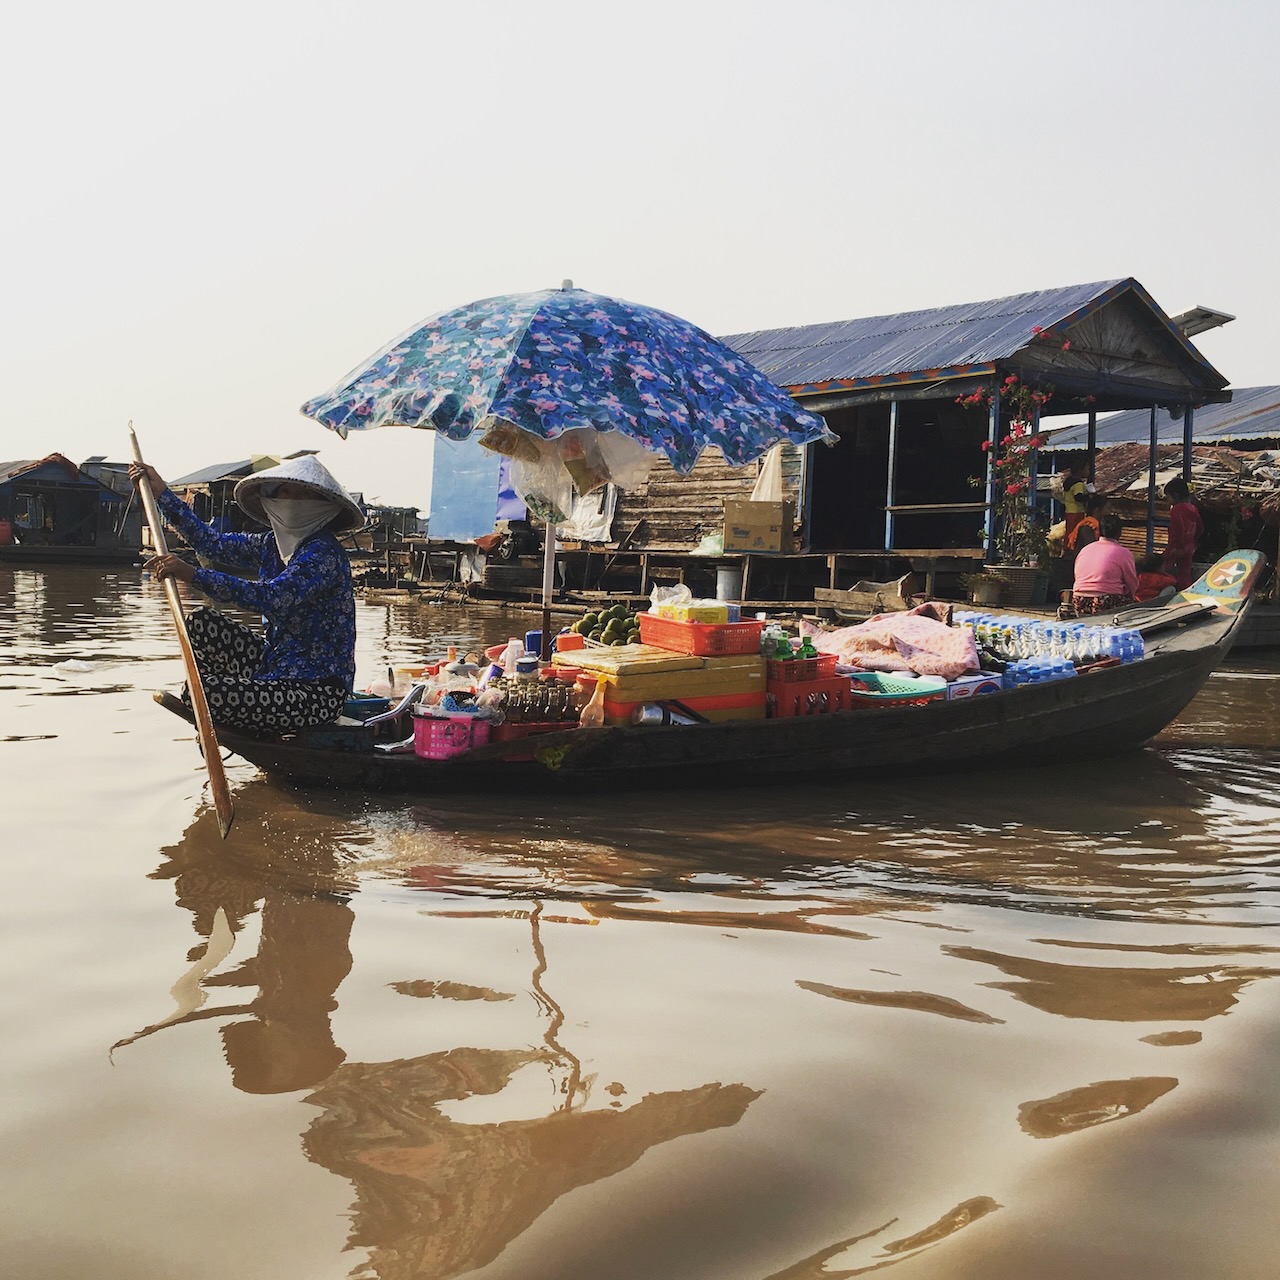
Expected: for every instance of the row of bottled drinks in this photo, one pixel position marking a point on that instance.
(1031, 650)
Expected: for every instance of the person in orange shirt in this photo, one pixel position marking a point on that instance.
(1152, 579)
(1086, 529)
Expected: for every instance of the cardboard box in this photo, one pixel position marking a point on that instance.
(759, 526)
(694, 612)
(970, 686)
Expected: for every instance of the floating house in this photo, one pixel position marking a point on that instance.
(1251, 419)
(910, 479)
(889, 386)
(1233, 466)
(51, 511)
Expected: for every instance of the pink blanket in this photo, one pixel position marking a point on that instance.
(915, 640)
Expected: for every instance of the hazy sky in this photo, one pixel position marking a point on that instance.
(212, 212)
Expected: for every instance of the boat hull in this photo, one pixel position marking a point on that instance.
(1104, 711)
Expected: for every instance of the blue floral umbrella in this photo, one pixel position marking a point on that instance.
(557, 361)
(578, 389)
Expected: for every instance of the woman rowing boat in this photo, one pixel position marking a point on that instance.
(298, 672)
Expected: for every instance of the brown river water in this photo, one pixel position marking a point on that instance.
(1017, 1026)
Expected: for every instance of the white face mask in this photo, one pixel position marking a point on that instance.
(295, 519)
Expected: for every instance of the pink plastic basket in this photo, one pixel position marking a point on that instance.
(437, 737)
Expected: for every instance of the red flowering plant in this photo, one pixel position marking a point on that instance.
(1019, 537)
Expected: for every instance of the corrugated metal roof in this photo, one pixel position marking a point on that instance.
(1252, 414)
(233, 470)
(943, 341)
(219, 471)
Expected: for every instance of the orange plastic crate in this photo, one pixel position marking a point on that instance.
(703, 639)
(786, 698)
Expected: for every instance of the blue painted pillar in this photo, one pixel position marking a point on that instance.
(891, 477)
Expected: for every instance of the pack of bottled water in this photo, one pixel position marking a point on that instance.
(1016, 639)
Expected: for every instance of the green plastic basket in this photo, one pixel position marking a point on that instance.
(881, 688)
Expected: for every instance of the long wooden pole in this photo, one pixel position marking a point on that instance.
(199, 704)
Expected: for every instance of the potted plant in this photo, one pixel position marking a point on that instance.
(1021, 537)
(985, 587)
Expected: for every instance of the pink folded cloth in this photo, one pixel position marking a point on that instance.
(915, 640)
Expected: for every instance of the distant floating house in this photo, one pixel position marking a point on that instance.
(51, 510)
(1251, 419)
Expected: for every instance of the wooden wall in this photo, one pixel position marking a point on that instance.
(679, 511)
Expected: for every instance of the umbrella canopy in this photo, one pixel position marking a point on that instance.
(579, 389)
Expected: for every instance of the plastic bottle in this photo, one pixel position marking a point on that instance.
(592, 716)
(806, 648)
(1131, 646)
(511, 655)
(783, 651)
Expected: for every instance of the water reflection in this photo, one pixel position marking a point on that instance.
(1118, 994)
(437, 1198)
(437, 1194)
(281, 1039)
(833, 1263)
(1091, 1105)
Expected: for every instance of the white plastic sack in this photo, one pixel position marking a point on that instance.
(768, 486)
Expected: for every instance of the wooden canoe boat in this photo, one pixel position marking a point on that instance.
(1101, 712)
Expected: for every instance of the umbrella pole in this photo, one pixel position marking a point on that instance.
(548, 587)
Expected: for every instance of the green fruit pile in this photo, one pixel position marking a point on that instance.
(615, 625)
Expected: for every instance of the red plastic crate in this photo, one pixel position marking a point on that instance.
(528, 729)
(702, 639)
(786, 698)
(787, 670)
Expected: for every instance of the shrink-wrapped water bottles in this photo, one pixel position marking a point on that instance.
(1037, 650)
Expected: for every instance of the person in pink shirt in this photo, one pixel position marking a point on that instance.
(1106, 575)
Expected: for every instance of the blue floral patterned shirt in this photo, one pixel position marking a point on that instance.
(307, 606)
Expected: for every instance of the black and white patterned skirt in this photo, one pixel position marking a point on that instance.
(227, 654)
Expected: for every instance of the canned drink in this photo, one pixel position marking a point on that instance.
(653, 713)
